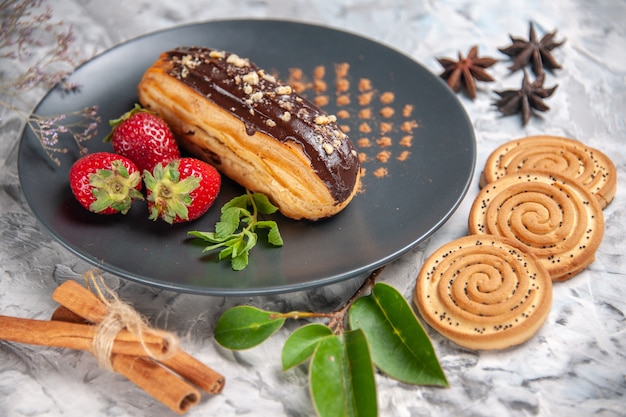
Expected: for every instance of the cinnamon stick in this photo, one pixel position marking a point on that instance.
(195, 372)
(87, 305)
(154, 379)
(157, 381)
(72, 336)
(67, 315)
(80, 301)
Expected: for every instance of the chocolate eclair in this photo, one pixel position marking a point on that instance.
(256, 130)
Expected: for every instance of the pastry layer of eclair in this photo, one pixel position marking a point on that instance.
(285, 143)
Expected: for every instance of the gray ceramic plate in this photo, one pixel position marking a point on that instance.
(393, 214)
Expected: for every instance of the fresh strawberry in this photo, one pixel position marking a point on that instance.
(182, 190)
(105, 182)
(144, 138)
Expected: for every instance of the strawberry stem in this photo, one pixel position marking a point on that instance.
(169, 196)
(115, 122)
(114, 188)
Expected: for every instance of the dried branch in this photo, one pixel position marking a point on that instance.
(37, 52)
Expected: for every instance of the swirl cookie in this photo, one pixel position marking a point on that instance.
(484, 292)
(554, 217)
(555, 154)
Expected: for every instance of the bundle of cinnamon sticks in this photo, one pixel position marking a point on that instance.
(168, 373)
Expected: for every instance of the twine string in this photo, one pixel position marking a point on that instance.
(122, 315)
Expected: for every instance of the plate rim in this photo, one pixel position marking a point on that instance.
(362, 271)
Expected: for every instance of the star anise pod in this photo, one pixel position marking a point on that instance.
(529, 97)
(465, 70)
(538, 52)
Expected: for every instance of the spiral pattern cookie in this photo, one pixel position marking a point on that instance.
(555, 154)
(554, 217)
(484, 292)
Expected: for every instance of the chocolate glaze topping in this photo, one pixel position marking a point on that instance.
(265, 105)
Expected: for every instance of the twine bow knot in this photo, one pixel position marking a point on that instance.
(123, 316)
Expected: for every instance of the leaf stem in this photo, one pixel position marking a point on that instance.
(254, 208)
(338, 316)
(300, 315)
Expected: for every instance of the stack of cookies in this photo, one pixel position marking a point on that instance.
(537, 219)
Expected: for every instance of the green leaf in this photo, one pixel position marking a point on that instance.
(236, 216)
(274, 237)
(361, 373)
(302, 343)
(227, 251)
(250, 239)
(228, 223)
(341, 377)
(207, 236)
(399, 345)
(263, 204)
(265, 224)
(273, 234)
(238, 202)
(244, 327)
(239, 262)
(238, 246)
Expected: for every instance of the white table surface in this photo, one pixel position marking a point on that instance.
(574, 366)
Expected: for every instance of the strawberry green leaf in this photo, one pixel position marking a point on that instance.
(302, 343)
(244, 327)
(115, 188)
(391, 326)
(115, 122)
(168, 194)
(341, 377)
